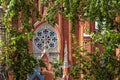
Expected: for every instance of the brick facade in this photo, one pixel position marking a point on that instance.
(63, 29)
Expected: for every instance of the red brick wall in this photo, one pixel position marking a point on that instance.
(64, 29)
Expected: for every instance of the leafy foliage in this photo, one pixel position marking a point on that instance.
(57, 68)
(68, 8)
(41, 64)
(17, 57)
(106, 13)
(19, 61)
(102, 11)
(96, 65)
(79, 10)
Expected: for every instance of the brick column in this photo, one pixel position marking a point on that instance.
(81, 33)
(61, 42)
(92, 29)
(118, 53)
(118, 56)
(81, 38)
(10, 76)
(69, 43)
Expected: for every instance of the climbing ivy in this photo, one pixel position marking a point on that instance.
(104, 12)
(57, 68)
(90, 10)
(92, 65)
(68, 8)
(102, 63)
(17, 58)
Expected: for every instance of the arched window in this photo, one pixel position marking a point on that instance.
(45, 40)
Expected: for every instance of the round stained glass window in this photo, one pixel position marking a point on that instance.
(45, 39)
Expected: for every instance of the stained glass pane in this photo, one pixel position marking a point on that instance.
(36, 39)
(52, 33)
(45, 31)
(54, 39)
(39, 33)
(51, 45)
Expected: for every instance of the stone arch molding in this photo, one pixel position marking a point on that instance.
(45, 41)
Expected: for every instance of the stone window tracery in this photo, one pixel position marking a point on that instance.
(45, 40)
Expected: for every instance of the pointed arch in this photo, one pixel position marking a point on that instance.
(39, 26)
(36, 74)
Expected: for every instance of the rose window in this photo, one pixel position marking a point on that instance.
(45, 39)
